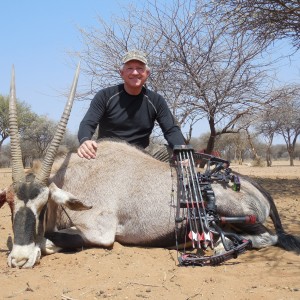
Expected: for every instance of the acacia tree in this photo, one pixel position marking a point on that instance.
(268, 121)
(267, 128)
(267, 19)
(233, 146)
(70, 141)
(5, 156)
(39, 135)
(288, 115)
(25, 117)
(217, 69)
(202, 67)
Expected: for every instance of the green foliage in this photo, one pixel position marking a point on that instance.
(25, 117)
(39, 135)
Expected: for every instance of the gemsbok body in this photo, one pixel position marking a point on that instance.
(123, 195)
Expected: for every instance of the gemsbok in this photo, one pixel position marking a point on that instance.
(123, 195)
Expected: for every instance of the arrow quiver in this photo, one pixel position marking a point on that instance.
(196, 209)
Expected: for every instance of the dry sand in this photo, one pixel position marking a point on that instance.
(140, 273)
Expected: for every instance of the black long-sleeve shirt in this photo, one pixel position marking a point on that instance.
(130, 118)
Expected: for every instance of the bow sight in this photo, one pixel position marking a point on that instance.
(196, 208)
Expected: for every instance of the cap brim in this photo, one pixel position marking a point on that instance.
(138, 59)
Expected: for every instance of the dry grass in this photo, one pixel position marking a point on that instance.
(5, 177)
(279, 169)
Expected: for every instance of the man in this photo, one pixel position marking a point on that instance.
(128, 111)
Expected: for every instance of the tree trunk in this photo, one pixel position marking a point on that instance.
(291, 151)
(211, 141)
(253, 149)
(268, 157)
(268, 151)
(291, 154)
(241, 157)
(1, 142)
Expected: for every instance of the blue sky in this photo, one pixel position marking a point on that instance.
(36, 36)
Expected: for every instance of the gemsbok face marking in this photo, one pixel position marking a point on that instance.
(28, 223)
(29, 194)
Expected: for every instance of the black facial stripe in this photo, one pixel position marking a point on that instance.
(27, 191)
(40, 229)
(42, 213)
(24, 226)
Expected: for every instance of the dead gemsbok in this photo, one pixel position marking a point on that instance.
(123, 195)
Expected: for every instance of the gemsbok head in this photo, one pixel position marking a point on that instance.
(29, 193)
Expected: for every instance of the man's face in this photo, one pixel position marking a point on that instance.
(134, 74)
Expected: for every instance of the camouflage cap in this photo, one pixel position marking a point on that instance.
(135, 55)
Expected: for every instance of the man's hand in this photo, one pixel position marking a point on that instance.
(87, 149)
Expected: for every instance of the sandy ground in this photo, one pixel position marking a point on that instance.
(140, 273)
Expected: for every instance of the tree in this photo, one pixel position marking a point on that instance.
(39, 135)
(267, 19)
(278, 151)
(70, 141)
(288, 115)
(25, 117)
(267, 128)
(202, 67)
(5, 156)
(267, 122)
(233, 146)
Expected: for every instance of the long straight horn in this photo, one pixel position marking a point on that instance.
(44, 174)
(18, 173)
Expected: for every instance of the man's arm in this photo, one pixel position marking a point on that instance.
(91, 119)
(167, 123)
(88, 125)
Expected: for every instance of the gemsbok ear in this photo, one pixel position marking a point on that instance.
(62, 197)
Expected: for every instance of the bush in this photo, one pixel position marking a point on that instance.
(258, 162)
